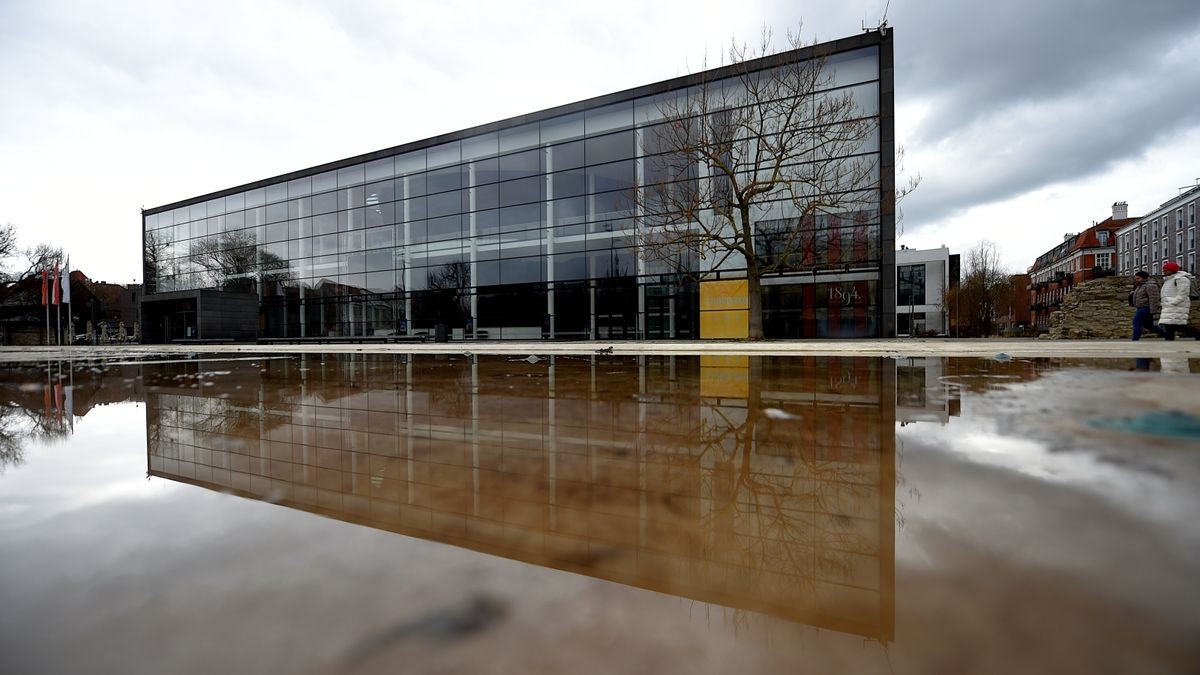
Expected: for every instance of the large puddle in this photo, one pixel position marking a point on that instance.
(600, 514)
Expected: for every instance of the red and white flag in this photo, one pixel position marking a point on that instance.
(57, 287)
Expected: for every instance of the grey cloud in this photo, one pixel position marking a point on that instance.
(1103, 75)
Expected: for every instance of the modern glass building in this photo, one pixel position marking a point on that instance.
(526, 228)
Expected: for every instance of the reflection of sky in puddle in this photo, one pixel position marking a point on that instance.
(636, 471)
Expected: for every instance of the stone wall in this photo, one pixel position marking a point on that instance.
(1099, 309)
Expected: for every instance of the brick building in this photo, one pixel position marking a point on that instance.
(1086, 255)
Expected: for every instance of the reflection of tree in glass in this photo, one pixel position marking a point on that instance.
(232, 261)
(447, 296)
(154, 257)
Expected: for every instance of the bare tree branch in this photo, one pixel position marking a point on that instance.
(759, 166)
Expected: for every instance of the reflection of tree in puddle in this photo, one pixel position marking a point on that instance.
(39, 405)
(796, 500)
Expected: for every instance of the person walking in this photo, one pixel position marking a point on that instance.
(1145, 300)
(1176, 302)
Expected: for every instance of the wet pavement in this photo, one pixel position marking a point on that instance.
(513, 513)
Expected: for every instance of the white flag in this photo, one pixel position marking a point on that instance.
(66, 283)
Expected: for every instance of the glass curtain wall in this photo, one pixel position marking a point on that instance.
(525, 232)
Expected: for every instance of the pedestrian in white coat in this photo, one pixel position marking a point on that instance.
(1176, 303)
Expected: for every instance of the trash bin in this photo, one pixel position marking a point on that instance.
(440, 333)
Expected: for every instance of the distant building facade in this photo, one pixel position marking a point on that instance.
(1089, 254)
(23, 316)
(1014, 314)
(1166, 233)
(922, 278)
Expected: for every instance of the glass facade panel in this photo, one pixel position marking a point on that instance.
(562, 128)
(526, 231)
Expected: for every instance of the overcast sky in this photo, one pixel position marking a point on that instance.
(1026, 119)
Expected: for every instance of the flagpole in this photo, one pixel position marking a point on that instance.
(56, 292)
(66, 300)
(46, 302)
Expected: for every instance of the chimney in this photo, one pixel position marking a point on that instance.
(1120, 210)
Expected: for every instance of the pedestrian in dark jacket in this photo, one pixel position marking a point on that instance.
(1144, 299)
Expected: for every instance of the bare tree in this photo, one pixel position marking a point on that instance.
(762, 165)
(984, 293)
(31, 260)
(8, 240)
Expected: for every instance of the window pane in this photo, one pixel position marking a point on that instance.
(616, 116)
(520, 217)
(442, 155)
(325, 203)
(324, 182)
(351, 175)
(520, 270)
(381, 214)
(563, 128)
(519, 138)
(568, 266)
(381, 192)
(351, 198)
(380, 168)
(568, 183)
(615, 176)
(412, 162)
(566, 156)
(486, 197)
(609, 148)
(521, 191)
(325, 224)
(444, 204)
(380, 237)
(300, 208)
(486, 171)
(569, 211)
(520, 165)
(441, 229)
(277, 212)
(480, 146)
(441, 180)
(414, 209)
(299, 187)
(410, 186)
(255, 198)
(276, 192)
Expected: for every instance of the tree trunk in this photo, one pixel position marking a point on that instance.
(754, 302)
(753, 278)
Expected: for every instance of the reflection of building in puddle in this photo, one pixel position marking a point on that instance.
(764, 484)
(922, 394)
